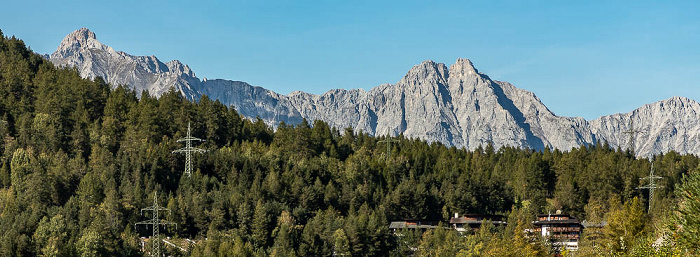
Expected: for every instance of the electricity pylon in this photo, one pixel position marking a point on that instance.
(155, 222)
(651, 186)
(632, 132)
(188, 150)
(388, 142)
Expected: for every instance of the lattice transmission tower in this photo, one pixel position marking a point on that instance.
(388, 142)
(156, 222)
(633, 133)
(651, 186)
(188, 150)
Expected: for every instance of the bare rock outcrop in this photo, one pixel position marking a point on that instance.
(455, 105)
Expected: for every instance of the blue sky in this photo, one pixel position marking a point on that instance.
(581, 58)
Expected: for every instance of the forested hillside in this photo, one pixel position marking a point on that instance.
(80, 160)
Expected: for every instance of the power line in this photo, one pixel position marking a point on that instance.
(188, 150)
(633, 133)
(155, 222)
(651, 186)
(388, 142)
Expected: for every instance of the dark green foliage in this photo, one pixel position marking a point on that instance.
(687, 215)
(79, 160)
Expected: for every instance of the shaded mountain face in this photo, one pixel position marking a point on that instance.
(455, 105)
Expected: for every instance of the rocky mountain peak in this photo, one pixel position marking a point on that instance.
(463, 67)
(426, 70)
(671, 104)
(179, 67)
(679, 100)
(76, 40)
(83, 34)
(464, 76)
(456, 106)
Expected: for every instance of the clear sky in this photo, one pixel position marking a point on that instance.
(581, 58)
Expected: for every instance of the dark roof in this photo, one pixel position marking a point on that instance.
(463, 220)
(481, 215)
(569, 221)
(556, 215)
(402, 224)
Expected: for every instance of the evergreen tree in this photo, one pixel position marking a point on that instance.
(625, 224)
(687, 214)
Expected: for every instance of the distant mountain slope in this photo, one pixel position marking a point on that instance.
(82, 50)
(454, 105)
(671, 124)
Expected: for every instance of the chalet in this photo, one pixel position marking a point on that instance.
(472, 222)
(562, 230)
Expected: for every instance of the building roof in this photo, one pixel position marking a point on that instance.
(472, 221)
(403, 224)
(477, 219)
(551, 222)
(556, 215)
(485, 216)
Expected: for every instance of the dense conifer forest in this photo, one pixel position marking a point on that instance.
(80, 160)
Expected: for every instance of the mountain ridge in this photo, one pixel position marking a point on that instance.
(455, 105)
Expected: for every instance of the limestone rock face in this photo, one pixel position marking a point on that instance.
(455, 105)
(252, 102)
(93, 59)
(671, 124)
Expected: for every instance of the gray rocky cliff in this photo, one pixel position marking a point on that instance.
(671, 124)
(93, 59)
(454, 105)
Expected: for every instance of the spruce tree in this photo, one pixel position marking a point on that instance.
(687, 213)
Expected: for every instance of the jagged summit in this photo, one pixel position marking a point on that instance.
(669, 124)
(455, 105)
(423, 67)
(81, 35)
(680, 100)
(176, 65)
(82, 38)
(93, 59)
(465, 66)
(427, 69)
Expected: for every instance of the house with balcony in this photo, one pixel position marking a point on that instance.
(563, 231)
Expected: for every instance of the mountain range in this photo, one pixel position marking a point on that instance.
(456, 105)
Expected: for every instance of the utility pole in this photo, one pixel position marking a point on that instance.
(388, 142)
(651, 186)
(633, 133)
(155, 222)
(188, 150)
